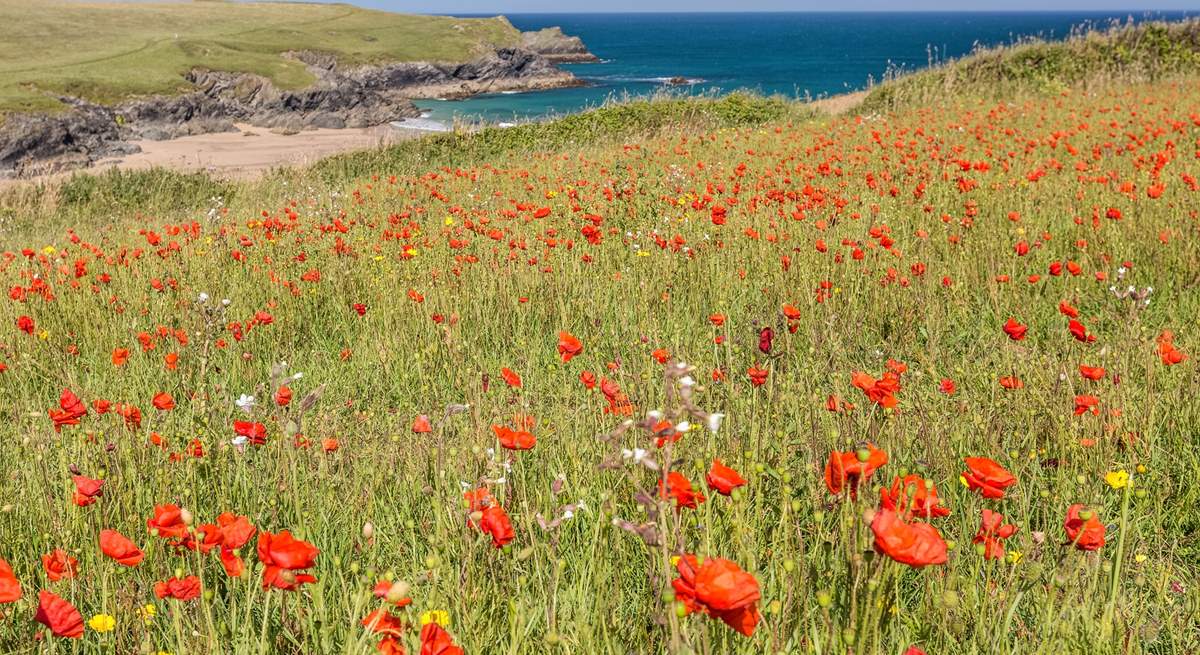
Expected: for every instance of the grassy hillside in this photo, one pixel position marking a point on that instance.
(107, 52)
(454, 372)
(1130, 53)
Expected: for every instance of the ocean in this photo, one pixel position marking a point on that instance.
(794, 54)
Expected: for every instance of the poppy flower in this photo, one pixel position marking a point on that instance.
(677, 486)
(914, 544)
(883, 391)
(230, 531)
(1167, 352)
(765, 337)
(1084, 529)
(10, 586)
(60, 616)
(1011, 382)
(120, 356)
(283, 396)
(947, 386)
(847, 470)
(1015, 330)
(1080, 332)
(436, 641)
(716, 319)
(25, 324)
(1092, 372)
(255, 432)
(495, 523)
(1067, 310)
(1085, 403)
(510, 378)
(163, 401)
(70, 410)
(168, 522)
(722, 479)
(568, 346)
(987, 477)
(282, 555)
(588, 379)
(118, 547)
(758, 376)
(661, 355)
(992, 532)
(87, 490)
(514, 439)
(59, 565)
(913, 496)
(182, 589)
(383, 622)
(719, 588)
(421, 425)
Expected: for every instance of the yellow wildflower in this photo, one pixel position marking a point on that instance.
(102, 623)
(1117, 479)
(440, 617)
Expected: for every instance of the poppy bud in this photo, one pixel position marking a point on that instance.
(432, 560)
(863, 454)
(681, 610)
(1085, 514)
(398, 591)
(824, 598)
(185, 516)
(368, 530)
(476, 516)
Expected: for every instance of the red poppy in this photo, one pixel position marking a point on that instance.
(230, 531)
(255, 432)
(1015, 330)
(59, 565)
(510, 378)
(25, 324)
(163, 401)
(716, 319)
(87, 490)
(514, 439)
(1084, 529)
(987, 477)
(1080, 332)
(588, 379)
(421, 425)
(60, 616)
(722, 479)
(10, 586)
(883, 391)
(70, 410)
(382, 621)
(1167, 352)
(992, 532)
(436, 641)
(1011, 382)
(913, 496)
(168, 522)
(283, 396)
(495, 522)
(765, 337)
(1067, 310)
(719, 588)
(758, 376)
(914, 544)
(1092, 372)
(568, 346)
(1085, 403)
(282, 555)
(120, 356)
(847, 470)
(947, 386)
(680, 488)
(120, 548)
(390, 645)
(661, 355)
(183, 589)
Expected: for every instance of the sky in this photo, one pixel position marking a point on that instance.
(568, 6)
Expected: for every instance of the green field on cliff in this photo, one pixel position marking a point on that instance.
(109, 52)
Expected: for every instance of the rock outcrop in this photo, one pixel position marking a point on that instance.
(340, 97)
(557, 47)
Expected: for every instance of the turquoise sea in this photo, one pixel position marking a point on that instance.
(794, 54)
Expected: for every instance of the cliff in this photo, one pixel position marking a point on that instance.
(557, 47)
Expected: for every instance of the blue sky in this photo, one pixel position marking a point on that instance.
(561, 6)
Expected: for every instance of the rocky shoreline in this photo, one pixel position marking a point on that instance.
(341, 97)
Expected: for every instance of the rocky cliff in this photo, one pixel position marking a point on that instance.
(359, 96)
(552, 44)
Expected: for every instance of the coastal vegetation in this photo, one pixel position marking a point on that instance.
(716, 375)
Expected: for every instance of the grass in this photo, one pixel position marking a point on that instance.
(895, 235)
(1131, 53)
(111, 52)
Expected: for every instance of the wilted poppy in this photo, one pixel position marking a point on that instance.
(849, 469)
(677, 486)
(183, 589)
(1083, 527)
(913, 496)
(992, 531)
(59, 565)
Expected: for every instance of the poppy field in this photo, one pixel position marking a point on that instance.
(915, 382)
